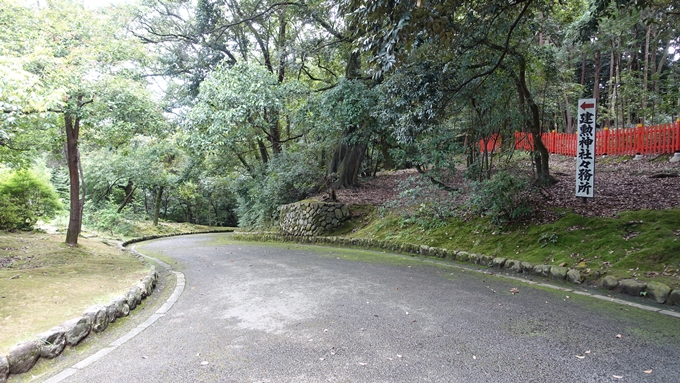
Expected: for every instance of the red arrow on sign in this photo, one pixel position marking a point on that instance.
(587, 106)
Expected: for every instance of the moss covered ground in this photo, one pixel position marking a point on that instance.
(44, 282)
(641, 244)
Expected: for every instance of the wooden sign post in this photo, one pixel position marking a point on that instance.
(585, 149)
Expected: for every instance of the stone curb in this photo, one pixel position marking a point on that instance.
(150, 237)
(50, 344)
(659, 292)
(179, 288)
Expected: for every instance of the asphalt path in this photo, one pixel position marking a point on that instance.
(288, 313)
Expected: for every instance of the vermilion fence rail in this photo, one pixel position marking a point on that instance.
(656, 139)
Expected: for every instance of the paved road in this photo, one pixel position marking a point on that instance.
(258, 313)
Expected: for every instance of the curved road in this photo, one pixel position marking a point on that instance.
(287, 313)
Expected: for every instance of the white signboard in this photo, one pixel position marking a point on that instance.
(585, 148)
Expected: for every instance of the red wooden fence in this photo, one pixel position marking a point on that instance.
(657, 139)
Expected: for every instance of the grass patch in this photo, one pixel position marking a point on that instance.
(643, 244)
(362, 215)
(44, 282)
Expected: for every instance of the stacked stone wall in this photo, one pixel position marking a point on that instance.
(312, 218)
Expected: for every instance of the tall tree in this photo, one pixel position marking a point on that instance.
(475, 40)
(75, 52)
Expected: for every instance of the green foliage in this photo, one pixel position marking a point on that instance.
(10, 213)
(235, 104)
(349, 103)
(547, 238)
(421, 203)
(106, 218)
(25, 197)
(503, 197)
(126, 109)
(287, 178)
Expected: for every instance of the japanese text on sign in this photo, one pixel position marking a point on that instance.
(585, 157)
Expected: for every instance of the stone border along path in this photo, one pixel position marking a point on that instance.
(660, 292)
(179, 288)
(59, 340)
(50, 344)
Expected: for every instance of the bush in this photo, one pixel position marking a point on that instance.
(105, 217)
(25, 197)
(9, 213)
(504, 197)
(287, 178)
(422, 203)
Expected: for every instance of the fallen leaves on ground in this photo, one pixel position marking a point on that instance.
(620, 185)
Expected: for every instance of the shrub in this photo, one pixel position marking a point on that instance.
(105, 217)
(25, 197)
(422, 203)
(287, 178)
(503, 197)
(9, 213)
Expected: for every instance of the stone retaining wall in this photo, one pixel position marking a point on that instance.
(50, 344)
(311, 218)
(659, 292)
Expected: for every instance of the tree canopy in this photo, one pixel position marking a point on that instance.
(214, 111)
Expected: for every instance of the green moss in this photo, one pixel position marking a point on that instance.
(44, 282)
(644, 241)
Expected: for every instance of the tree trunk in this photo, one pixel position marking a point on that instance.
(645, 71)
(263, 151)
(611, 103)
(72, 130)
(208, 209)
(541, 154)
(188, 213)
(282, 44)
(129, 191)
(353, 66)
(217, 212)
(157, 205)
(569, 128)
(146, 201)
(275, 133)
(657, 74)
(583, 70)
(596, 79)
(346, 160)
(166, 202)
(388, 161)
(346, 163)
